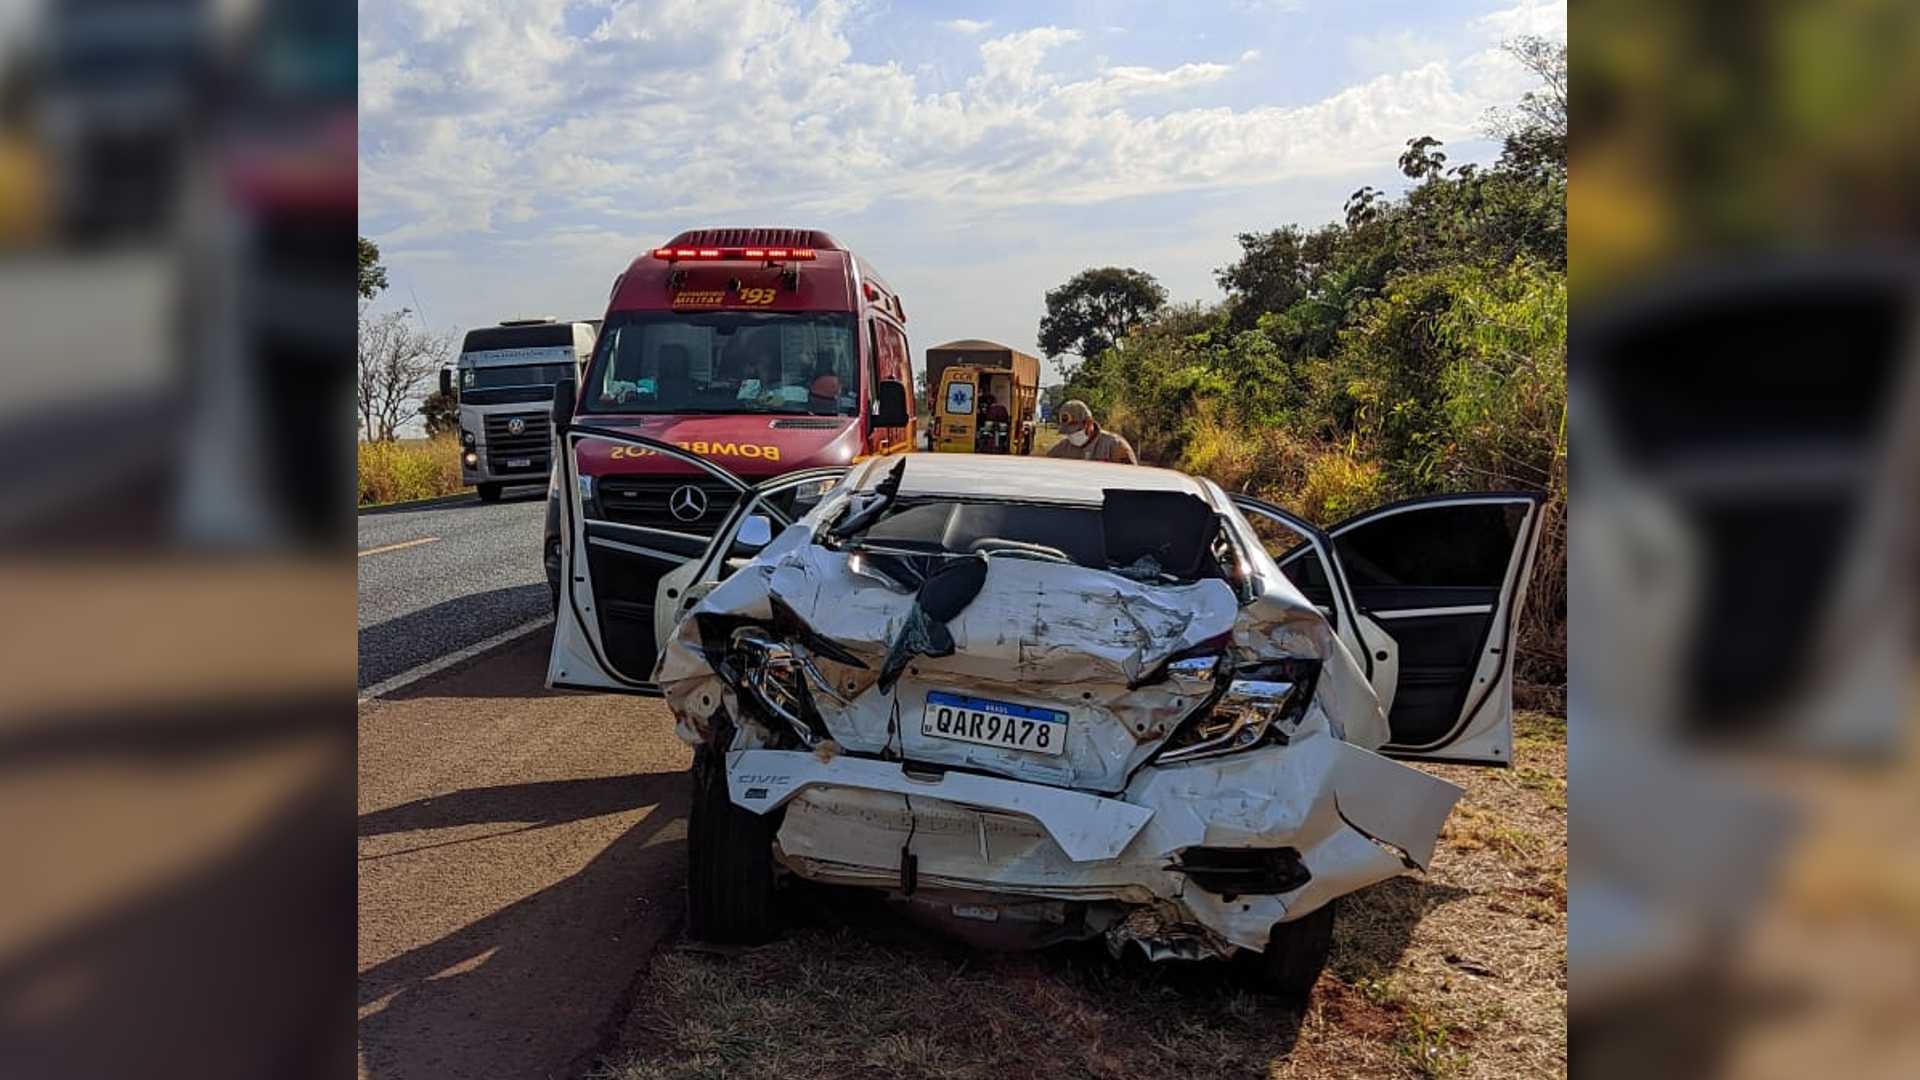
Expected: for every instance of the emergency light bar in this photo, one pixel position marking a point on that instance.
(670, 254)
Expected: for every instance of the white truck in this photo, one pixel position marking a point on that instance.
(504, 382)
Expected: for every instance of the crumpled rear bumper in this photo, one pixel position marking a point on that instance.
(1355, 819)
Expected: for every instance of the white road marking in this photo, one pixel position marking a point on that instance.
(432, 667)
(402, 544)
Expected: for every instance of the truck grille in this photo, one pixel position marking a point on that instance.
(531, 445)
(643, 500)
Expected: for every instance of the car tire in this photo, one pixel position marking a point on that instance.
(1297, 952)
(729, 861)
(489, 492)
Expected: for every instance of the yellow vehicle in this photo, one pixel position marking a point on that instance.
(23, 192)
(963, 376)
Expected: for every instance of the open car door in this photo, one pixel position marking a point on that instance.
(1428, 594)
(624, 585)
(1305, 555)
(610, 570)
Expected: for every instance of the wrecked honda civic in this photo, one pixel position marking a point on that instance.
(1038, 701)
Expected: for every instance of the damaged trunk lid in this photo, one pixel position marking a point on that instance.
(1057, 673)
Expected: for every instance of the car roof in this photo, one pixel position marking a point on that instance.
(1022, 479)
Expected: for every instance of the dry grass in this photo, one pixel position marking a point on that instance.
(409, 469)
(1461, 973)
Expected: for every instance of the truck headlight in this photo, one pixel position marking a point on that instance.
(1260, 705)
(466, 438)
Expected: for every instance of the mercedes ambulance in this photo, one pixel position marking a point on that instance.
(762, 350)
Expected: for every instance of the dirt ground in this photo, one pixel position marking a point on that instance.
(1460, 973)
(521, 853)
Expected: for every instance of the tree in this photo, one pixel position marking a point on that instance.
(1534, 133)
(1093, 312)
(395, 361)
(373, 276)
(1423, 158)
(1277, 270)
(442, 413)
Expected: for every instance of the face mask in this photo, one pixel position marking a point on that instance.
(1079, 438)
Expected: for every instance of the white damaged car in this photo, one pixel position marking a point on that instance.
(1040, 700)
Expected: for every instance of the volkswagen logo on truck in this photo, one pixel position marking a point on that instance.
(687, 503)
(516, 426)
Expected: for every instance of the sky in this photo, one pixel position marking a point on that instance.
(516, 155)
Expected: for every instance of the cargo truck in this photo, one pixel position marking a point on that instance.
(963, 375)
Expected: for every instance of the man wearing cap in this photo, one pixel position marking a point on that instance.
(1086, 441)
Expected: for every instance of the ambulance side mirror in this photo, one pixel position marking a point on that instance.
(891, 394)
(564, 393)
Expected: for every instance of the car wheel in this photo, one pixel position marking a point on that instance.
(1297, 953)
(729, 861)
(489, 492)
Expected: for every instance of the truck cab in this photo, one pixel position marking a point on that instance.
(504, 381)
(763, 350)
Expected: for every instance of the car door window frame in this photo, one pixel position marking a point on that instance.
(570, 551)
(1510, 592)
(752, 502)
(1322, 545)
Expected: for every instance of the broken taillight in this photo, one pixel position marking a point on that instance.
(1258, 707)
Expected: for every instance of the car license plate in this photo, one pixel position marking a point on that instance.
(519, 463)
(994, 723)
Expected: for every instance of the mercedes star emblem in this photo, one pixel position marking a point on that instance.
(516, 426)
(688, 503)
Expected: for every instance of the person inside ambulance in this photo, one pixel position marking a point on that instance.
(1086, 440)
(756, 358)
(992, 411)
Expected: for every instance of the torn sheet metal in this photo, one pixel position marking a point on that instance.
(1096, 824)
(1086, 827)
(1356, 819)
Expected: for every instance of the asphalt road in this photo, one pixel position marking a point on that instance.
(437, 579)
(520, 850)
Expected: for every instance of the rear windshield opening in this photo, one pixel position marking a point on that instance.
(1077, 532)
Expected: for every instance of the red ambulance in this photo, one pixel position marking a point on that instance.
(765, 351)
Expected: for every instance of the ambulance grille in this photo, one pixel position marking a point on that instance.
(647, 500)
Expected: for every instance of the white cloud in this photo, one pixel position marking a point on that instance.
(1394, 50)
(967, 26)
(490, 117)
(1540, 18)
